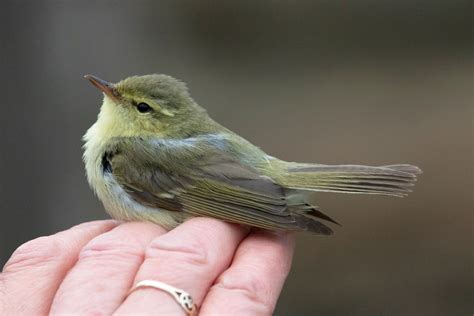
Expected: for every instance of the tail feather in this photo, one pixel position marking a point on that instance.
(396, 180)
(405, 168)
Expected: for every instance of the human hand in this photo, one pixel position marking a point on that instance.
(90, 268)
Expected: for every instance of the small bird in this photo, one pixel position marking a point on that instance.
(154, 154)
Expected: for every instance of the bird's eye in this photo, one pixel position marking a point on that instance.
(143, 107)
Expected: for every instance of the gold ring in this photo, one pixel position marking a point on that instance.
(183, 298)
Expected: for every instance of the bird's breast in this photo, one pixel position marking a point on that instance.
(117, 202)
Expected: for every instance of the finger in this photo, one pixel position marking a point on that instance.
(253, 282)
(33, 274)
(105, 271)
(189, 257)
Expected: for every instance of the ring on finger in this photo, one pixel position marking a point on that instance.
(183, 298)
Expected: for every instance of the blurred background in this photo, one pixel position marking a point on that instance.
(366, 82)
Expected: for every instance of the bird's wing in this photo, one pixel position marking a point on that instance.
(204, 176)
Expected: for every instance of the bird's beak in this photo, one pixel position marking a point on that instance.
(106, 87)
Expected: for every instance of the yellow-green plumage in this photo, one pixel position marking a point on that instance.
(155, 155)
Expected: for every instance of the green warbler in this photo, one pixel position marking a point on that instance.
(154, 154)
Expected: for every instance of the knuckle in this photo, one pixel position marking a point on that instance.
(101, 249)
(278, 264)
(2, 291)
(36, 252)
(250, 287)
(193, 253)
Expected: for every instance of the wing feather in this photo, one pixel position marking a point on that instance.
(203, 177)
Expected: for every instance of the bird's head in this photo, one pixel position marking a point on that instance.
(155, 104)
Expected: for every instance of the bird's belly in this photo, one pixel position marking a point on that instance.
(121, 206)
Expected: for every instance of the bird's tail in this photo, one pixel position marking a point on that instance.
(396, 180)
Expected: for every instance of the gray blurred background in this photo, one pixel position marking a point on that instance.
(367, 82)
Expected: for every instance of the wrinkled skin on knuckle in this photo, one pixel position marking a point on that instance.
(277, 261)
(251, 287)
(192, 253)
(36, 252)
(100, 249)
(3, 295)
